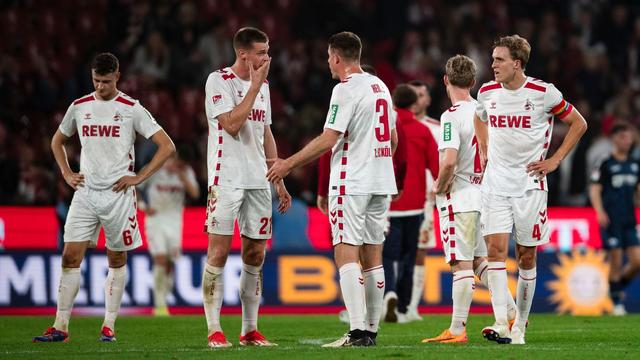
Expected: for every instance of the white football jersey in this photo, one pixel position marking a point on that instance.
(166, 192)
(107, 131)
(362, 110)
(434, 127)
(520, 125)
(458, 133)
(236, 161)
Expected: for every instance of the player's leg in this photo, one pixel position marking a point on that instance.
(160, 278)
(417, 290)
(615, 257)
(390, 260)
(348, 233)
(254, 219)
(631, 269)
(81, 231)
(113, 290)
(531, 230)
(497, 218)
(459, 239)
(409, 241)
(223, 205)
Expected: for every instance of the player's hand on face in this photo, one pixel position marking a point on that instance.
(75, 180)
(283, 197)
(124, 183)
(603, 219)
(542, 168)
(323, 204)
(278, 171)
(259, 75)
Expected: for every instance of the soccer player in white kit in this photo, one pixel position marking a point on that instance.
(238, 109)
(107, 122)
(360, 129)
(458, 197)
(513, 125)
(166, 191)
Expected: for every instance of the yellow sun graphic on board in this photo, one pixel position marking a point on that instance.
(582, 287)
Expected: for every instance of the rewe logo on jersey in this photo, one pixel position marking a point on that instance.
(257, 115)
(510, 121)
(101, 130)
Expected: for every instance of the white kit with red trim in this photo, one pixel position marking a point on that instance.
(107, 132)
(520, 125)
(457, 133)
(362, 110)
(236, 161)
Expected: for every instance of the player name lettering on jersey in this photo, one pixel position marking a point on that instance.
(101, 130)
(477, 180)
(510, 121)
(382, 152)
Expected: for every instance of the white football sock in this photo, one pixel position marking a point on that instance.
(67, 291)
(352, 286)
(113, 291)
(524, 294)
(250, 296)
(212, 294)
(374, 292)
(417, 289)
(497, 279)
(463, 285)
(481, 272)
(159, 286)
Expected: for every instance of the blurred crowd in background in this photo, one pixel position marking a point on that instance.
(590, 49)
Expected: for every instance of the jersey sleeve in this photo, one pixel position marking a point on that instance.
(219, 98)
(267, 120)
(600, 175)
(340, 109)
(143, 121)
(450, 134)
(68, 124)
(481, 111)
(554, 104)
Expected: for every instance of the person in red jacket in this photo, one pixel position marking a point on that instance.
(406, 212)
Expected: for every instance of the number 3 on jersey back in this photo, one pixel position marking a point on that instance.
(382, 133)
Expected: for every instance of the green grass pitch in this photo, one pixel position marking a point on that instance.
(184, 337)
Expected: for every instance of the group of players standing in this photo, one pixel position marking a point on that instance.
(491, 178)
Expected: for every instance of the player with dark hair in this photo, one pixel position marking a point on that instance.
(107, 122)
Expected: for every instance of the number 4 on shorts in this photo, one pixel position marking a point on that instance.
(536, 232)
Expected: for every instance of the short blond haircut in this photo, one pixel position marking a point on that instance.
(519, 48)
(461, 71)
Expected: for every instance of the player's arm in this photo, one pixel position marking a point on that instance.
(74, 180)
(482, 136)
(166, 148)
(310, 152)
(189, 182)
(234, 120)
(394, 141)
(448, 162)
(271, 153)
(598, 178)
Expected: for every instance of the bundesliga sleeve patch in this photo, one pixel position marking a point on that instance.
(333, 113)
(217, 99)
(447, 132)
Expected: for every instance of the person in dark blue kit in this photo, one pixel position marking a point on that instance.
(612, 193)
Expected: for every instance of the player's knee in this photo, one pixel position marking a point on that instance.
(117, 259)
(71, 260)
(252, 256)
(527, 260)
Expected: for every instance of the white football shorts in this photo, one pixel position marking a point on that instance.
(527, 213)
(114, 211)
(358, 219)
(461, 237)
(164, 234)
(252, 208)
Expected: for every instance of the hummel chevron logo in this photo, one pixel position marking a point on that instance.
(543, 213)
(543, 220)
(361, 280)
(380, 284)
(445, 231)
(445, 238)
